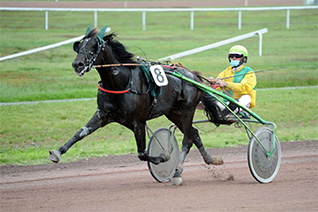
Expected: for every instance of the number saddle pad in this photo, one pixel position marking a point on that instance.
(154, 89)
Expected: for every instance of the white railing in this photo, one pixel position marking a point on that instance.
(145, 10)
(40, 49)
(171, 57)
(221, 43)
(32, 51)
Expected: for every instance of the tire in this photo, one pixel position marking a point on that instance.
(263, 168)
(163, 140)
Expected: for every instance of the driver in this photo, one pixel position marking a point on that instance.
(237, 80)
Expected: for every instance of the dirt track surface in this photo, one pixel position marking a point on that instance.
(123, 183)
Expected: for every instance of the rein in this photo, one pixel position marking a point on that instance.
(214, 86)
(116, 65)
(176, 65)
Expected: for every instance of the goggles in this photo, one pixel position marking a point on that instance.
(235, 55)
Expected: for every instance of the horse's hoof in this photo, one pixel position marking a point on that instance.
(176, 181)
(177, 178)
(217, 161)
(55, 156)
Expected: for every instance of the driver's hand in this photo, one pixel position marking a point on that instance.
(212, 80)
(221, 82)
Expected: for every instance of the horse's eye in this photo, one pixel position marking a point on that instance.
(95, 46)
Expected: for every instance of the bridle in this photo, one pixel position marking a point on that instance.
(90, 56)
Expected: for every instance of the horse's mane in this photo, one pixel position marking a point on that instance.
(119, 50)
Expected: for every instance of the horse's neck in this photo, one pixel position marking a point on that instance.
(115, 78)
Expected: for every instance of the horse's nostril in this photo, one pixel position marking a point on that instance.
(77, 64)
(80, 64)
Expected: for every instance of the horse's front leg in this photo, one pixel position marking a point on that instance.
(98, 120)
(140, 136)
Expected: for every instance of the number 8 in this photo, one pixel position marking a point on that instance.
(159, 76)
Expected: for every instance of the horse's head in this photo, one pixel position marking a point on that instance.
(88, 50)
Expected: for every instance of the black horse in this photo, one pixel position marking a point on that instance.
(124, 97)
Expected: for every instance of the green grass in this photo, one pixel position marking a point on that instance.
(27, 132)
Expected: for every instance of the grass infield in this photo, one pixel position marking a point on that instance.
(27, 132)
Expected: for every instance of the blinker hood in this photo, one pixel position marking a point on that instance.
(100, 34)
(88, 29)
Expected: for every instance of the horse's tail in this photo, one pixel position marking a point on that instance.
(212, 110)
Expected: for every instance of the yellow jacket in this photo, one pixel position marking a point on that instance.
(241, 82)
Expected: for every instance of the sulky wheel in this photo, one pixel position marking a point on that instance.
(161, 141)
(264, 168)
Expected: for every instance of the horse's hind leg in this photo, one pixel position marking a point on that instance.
(191, 135)
(186, 145)
(97, 121)
(206, 157)
(184, 123)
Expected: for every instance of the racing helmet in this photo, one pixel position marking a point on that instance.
(239, 50)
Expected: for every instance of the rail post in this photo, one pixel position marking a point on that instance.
(143, 21)
(260, 44)
(46, 20)
(95, 18)
(240, 20)
(191, 21)
(287, 21)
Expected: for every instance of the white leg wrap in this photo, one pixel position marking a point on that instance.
(84, 132)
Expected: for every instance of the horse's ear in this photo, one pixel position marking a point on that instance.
(101, 33)
(75, 46)
(88, 29)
